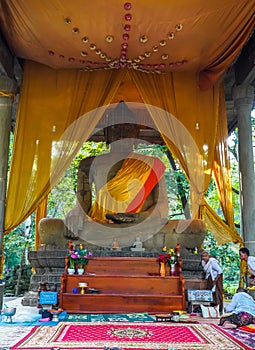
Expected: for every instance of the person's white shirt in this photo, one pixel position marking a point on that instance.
(241, 302)
(212, 267)
(251, 264)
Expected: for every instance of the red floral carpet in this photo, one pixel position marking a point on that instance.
(67, 336)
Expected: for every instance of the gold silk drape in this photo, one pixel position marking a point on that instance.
(120, 192)
(181, 106)
(199, 152)
(47, 138)
(223, 231)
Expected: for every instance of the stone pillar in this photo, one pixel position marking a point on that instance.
(7, 93)
(243, 100)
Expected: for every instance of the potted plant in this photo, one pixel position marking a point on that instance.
(84, 256)
(78, 259)
(169, 257)
(72, 260)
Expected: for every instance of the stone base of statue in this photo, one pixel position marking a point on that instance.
(188, 233)
(137, 249)
(118, 249)
(49, 261)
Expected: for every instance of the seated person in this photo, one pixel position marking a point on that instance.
(241, 309)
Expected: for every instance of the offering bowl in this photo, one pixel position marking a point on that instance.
(9, 312)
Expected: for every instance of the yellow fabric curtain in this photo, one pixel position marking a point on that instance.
(51, 127)
(222, 175)
(221, 231)
(46, 137)
(182, 107)
(196, 133)
(221, 166)
(237, 33)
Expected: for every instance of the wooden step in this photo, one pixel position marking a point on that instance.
(121, 303)
(123, 266)
(126, 266)
(125, 284)
(131, 284)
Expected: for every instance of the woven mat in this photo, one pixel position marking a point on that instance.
(33, 320)
(127, 336)
(132, 317)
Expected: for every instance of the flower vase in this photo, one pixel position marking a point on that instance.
(172, 269)
(162, 269)
(71, 271)
(80, 270)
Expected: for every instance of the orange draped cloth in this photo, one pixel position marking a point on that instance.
(130, 187)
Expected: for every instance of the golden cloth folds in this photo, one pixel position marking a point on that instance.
(127, 191)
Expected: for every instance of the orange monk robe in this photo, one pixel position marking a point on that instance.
(127, 191)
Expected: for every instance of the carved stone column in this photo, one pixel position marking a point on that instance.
(7, 94)
(243, 100)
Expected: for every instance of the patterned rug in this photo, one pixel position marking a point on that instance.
(127, 336)
(242, 335)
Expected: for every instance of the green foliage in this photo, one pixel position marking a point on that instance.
(12, 278)
(66, 187)
(15, 242)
